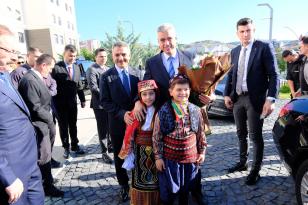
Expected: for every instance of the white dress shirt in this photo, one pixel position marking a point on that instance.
(249, 47)
(148, 119)
(176, 62)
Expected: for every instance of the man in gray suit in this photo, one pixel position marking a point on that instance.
(37, 98)
(101, 116)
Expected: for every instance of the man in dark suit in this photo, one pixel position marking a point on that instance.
(20, 177)
(118, 91)
(18, 73)
(303, 75)
(37, 97)
(67, 75)
(101, 116)
(251, 89)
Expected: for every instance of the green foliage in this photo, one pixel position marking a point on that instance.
(284, 89)
(139, 52)
(282, 65)
(88, 55)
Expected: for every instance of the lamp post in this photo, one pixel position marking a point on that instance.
(131, 24)
(290, 29)
(271, 19)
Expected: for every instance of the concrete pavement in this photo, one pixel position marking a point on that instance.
(87, 180)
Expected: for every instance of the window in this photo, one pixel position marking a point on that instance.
(74, 42)
(18, 15)
(68, 25)
(51, 1)
(73, 27)
(57, 2)
(59, 21)
(61, 40)
(56, 39)
(70, 9)
(21, 37)
(54, 18)
(70, 40)
(66, 7)
(9, 8)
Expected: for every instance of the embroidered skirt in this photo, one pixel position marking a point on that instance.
(144, 176)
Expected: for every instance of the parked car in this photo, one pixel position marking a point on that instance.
(217, 107)
(291, 139)
(83, 66)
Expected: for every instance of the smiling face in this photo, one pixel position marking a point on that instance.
(148, 97)
(167, 42)
(245, 33)
(7, 51)
(180, 93)
(121, 56)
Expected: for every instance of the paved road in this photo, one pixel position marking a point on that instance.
(87, 180)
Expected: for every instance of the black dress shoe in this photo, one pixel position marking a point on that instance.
(238, 167)
(198, 198)
(124, 193)
(52, 191)
(78, 150)
(55, 164)
(106, 158)
(252, 178)
(66, 153)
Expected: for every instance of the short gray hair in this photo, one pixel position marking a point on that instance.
(120, 44)
(166, 27)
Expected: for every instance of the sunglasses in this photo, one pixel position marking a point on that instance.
(20, 63)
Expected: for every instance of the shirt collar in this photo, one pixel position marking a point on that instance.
(37, 73)
(166, 56)
(120, 69)
(249, 46)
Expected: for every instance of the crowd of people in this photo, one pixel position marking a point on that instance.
(148, 124)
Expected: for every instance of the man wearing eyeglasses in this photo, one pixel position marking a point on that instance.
(18, 73)
(20, 177)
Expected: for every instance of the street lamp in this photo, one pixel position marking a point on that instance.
(271, 19)
(290, 29)
(131, 24)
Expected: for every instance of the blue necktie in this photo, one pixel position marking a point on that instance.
(171, 68)
(125, 82)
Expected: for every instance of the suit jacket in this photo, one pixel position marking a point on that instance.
(155, 70)
(115, 100)
(18, 73)
(262, 74)
(37, 97)
(67, 88)
(93, 77)
(18, 149)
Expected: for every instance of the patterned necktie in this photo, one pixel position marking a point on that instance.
(171, 68)
(125, 82)
(240, 72)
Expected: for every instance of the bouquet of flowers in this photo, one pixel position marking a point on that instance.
(205, 74)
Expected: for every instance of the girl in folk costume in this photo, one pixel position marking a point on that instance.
(137, 150)
(179, 143)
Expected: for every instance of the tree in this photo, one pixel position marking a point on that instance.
(139, 52)
(282, 65)
(88, 55)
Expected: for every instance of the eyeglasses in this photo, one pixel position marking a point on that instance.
(10, 51)
(20, 63)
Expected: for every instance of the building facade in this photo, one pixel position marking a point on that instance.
(90, 45)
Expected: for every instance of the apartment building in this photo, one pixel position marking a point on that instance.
(50, 24)
(90, 45)
(11, 16)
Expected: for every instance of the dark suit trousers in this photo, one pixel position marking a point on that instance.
(46, 175)
(244, 112)
(33, 191)
(121, 173)
(101, 117)
(67, 119)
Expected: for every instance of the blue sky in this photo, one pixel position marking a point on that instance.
(194, 20)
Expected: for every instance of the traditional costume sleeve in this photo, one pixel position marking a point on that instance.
(128, 138)
(201, 138)
(157, 139)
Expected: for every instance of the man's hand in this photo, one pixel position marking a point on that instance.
(206, 99)
(268, 108)
(296, 94)
(139, 111)
(200, 158)
(160, 165)
(14, 191)
(83, 104)
(128, 119)
(228, 102)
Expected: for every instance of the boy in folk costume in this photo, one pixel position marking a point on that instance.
(179, 142)
(137, 150)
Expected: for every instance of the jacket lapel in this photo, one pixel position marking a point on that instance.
(252, 55)
(162, 69)
(119, 85)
